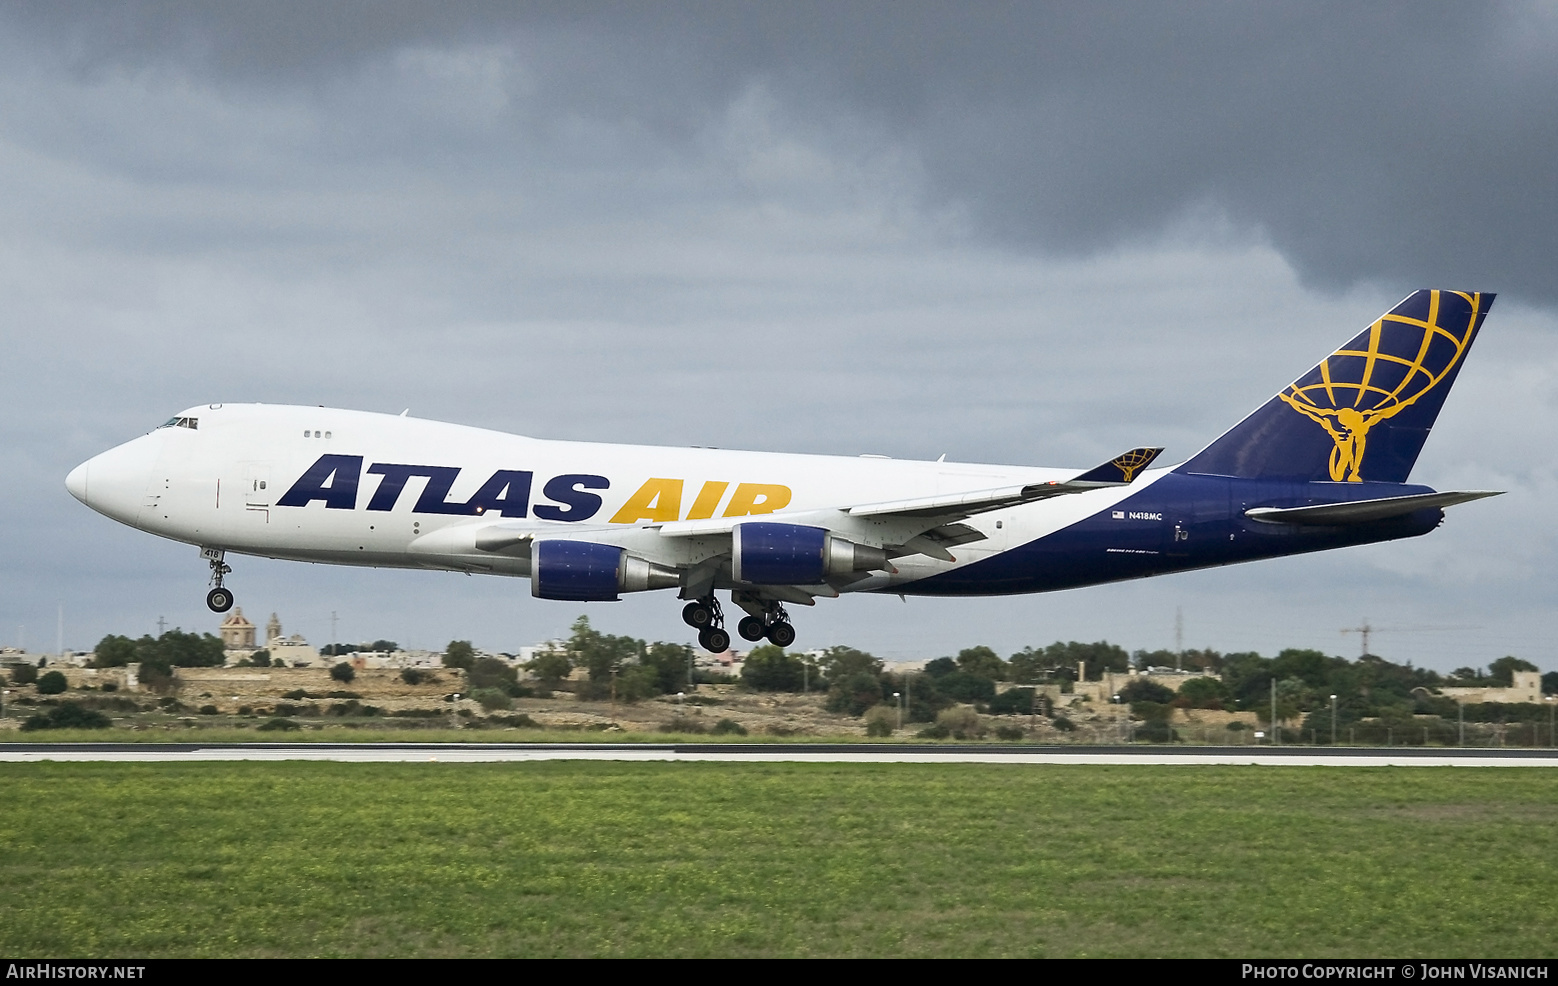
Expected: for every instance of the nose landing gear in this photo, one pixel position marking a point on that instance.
(219, 599)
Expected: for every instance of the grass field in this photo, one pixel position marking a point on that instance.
(584, 859)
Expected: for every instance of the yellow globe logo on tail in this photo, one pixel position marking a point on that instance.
(1381, 373)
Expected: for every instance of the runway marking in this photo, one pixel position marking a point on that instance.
(786, 753)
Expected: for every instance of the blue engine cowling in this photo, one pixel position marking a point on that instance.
(793, 554)
(778, 554)
(582, 571)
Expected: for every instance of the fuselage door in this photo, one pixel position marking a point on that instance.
(257, 494)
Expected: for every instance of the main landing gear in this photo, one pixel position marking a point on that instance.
(774, 623)
(704, 616)
(771, 621)
(219, 599)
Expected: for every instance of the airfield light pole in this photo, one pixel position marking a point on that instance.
(898, 700)
(1276, 733)
(1552, 707)
(1333, 720)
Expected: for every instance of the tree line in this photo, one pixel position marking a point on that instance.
(1371, 693)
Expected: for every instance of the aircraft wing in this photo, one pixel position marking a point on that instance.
(930, 525)
(920, 525)
(1119, 471)
(950, 507)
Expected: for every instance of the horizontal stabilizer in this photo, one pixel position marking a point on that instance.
(1363, 511)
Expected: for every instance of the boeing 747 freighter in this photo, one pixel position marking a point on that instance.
(1322, 464)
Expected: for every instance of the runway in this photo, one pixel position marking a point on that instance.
(779, 753)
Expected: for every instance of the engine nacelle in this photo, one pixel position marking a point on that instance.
(584, 571)
(793, 554)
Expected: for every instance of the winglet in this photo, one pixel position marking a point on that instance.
(1120, 470)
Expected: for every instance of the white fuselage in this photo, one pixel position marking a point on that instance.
(224, 484)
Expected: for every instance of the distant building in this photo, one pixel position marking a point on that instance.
(11, 656)
(237, 632)
(1111, 682)
(1527, 687)
(375, 659)
(290, 652)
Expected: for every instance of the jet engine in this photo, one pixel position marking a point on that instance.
(584, 571)
(792, 554)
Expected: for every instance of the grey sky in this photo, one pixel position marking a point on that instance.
(1006, 232)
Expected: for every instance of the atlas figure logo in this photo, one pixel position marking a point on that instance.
(1400, 359)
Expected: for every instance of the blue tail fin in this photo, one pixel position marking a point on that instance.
(1365, 411)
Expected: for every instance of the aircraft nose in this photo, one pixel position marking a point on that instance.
(76, 482)
(114, 482)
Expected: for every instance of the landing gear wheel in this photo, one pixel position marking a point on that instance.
(781, 634)
(750, 628)
(714, 640)
(697, 615)
(219, 599)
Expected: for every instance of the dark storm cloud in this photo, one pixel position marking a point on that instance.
(1409, 143)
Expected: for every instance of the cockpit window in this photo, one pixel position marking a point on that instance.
(181, 423)
(170, 422)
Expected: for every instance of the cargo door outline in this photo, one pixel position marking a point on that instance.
(257, 494)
